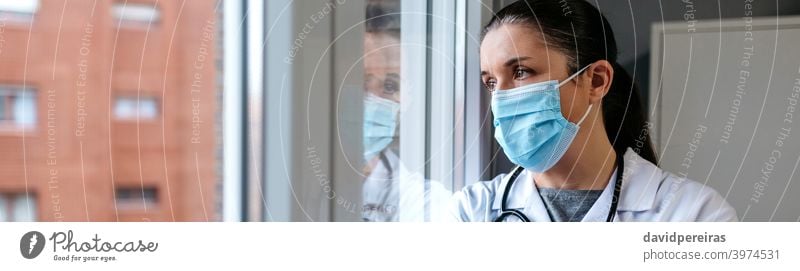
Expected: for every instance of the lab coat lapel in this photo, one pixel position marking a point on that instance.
(640, 181)
(534, 207)
(641, 185)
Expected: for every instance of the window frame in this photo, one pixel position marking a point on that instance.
(234, 110)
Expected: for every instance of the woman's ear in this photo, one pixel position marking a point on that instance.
(602, 75)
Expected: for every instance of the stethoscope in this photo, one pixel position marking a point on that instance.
(505, 212)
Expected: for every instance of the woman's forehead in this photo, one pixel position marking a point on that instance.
(512, 41)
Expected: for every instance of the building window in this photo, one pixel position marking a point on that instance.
(17, 208)
(133, 108)
(17, 107)
(135, 197)
(136, 15)
(18, 10)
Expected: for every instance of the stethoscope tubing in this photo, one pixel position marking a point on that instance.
(506, 212)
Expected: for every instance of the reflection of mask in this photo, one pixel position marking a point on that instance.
(529, 124)
(380, 122)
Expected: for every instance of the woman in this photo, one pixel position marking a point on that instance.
(570, 117)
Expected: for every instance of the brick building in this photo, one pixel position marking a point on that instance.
(109, 110)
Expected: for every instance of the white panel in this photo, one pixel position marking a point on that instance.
(726, 111)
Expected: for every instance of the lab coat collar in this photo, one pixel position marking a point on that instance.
(640, 182)
(519, 194)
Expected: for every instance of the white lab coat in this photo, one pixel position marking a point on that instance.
(648, 194)
(400, 195)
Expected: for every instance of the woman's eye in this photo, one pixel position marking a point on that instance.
(391, 84)
(520, 73)
(490, 85)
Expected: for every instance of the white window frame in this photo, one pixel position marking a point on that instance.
(233, 207)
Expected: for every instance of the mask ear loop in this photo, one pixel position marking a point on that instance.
(585, 115)
(570, 79)
(573, 76)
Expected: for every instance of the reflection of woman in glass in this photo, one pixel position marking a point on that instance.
(381, 109)
(381, 80)
(386, 177)
(570, 117)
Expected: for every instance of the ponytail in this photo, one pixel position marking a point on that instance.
(625, 121)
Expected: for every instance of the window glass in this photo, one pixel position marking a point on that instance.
(17, 207)
(131, 14)
(131, 108)
(395, 186)
(25, 108)
(381, 64)
(24, 208)
(17, 106)
(4, 216)
(5, 108)
(20, 6)
(18, 10)
(137, 197)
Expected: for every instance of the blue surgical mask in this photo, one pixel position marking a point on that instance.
(380, 123)
(529, 124)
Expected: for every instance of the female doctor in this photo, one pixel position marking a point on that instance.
(570, 117)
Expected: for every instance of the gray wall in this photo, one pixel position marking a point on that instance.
(632, 29)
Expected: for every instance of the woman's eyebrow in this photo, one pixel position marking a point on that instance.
(516, 60)
(510, 62)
